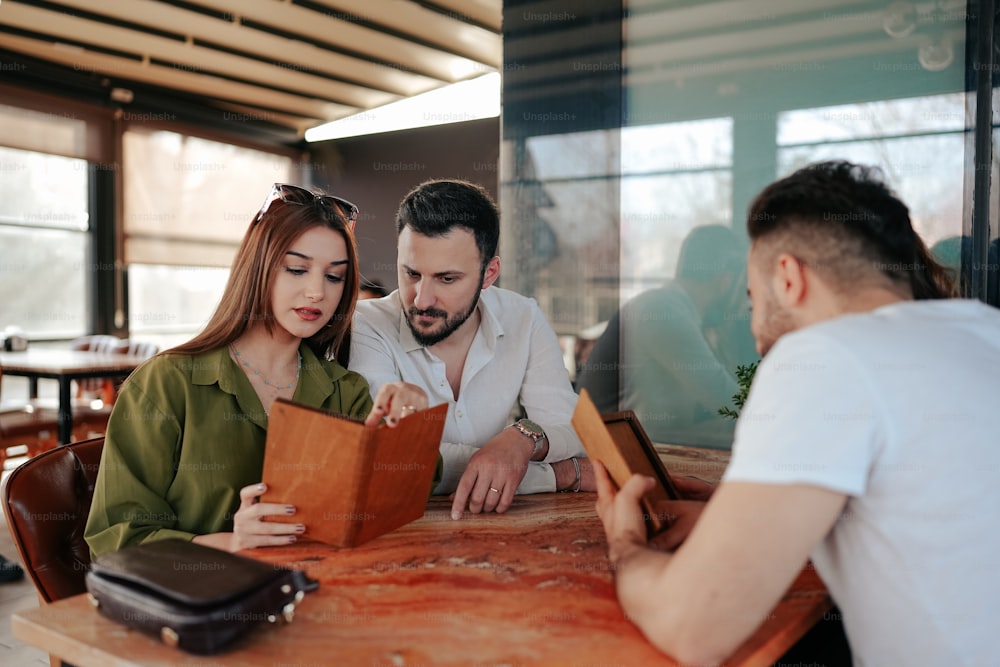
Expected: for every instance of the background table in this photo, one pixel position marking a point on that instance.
(529, 587)
(65, 366)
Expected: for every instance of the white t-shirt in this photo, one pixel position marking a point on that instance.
(897, 408)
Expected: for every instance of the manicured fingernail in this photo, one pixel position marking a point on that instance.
(290, 509)
(291, 539)
(300, 528)
(456, 516)
(260, 487)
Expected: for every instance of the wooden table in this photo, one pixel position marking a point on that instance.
(529, 587)
(65, 366)
(706, 464)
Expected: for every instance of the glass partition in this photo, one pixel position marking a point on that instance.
(630, 165)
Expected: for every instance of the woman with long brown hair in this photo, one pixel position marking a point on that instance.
(184, 448)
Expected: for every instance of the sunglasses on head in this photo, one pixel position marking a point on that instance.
(293, 194)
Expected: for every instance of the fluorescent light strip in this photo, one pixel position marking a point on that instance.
(455, 103)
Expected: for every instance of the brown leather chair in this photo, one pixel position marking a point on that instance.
(47, 500)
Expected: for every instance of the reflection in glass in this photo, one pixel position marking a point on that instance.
(658, 212)
(670, 354)
(718, 99)
(564, 248)
(882, 118)
(686, 146)
(925, 170)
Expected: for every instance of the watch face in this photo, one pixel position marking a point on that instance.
(529, 425)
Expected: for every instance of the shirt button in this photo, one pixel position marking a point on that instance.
(459, 414)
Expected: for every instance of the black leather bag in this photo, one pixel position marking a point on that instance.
(193, 597)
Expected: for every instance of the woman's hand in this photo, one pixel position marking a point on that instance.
(250, 530)
(395, 401)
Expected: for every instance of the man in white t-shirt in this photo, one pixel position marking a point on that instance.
(868, 443)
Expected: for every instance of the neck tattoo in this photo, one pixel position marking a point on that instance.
(251, 369)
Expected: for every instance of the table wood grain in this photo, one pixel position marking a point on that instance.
(529, 587)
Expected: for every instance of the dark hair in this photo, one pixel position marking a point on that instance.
(434, 208)
(937, 280)
(842, 220)
(374, 285)
(247, 296)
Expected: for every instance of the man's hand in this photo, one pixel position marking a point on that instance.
(493, 474)
(682, 515)
(693, 488)
(565, 473)
(621, 513)
(395, 401)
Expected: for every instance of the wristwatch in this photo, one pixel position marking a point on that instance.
(533, 431)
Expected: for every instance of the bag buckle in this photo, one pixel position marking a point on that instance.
(169, 636)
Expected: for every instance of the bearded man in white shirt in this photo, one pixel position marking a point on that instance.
(867, 443)
(487, 352)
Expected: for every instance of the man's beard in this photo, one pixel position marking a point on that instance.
(450, 323)
(777, 322)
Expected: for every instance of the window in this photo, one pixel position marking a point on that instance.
(187, 204)
(917, 142)
(44, 243)
(675, 177)
(641, 157)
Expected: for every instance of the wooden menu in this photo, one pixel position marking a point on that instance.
(619, 442)
(349, 482)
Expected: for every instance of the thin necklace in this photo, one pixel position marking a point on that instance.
(256, 371)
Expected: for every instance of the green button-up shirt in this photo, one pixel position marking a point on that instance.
(186, 434)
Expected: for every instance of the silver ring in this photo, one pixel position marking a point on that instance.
(494, 490)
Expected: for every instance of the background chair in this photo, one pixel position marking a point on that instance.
(46, 501)
(95, 397)
(106, 389)
(30, 427)
(26, 429)
(102, 388)
(90, 418)
(140, 348)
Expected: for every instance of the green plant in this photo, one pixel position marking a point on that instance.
(744, 377)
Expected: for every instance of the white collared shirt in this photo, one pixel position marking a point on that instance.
(514, 365)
